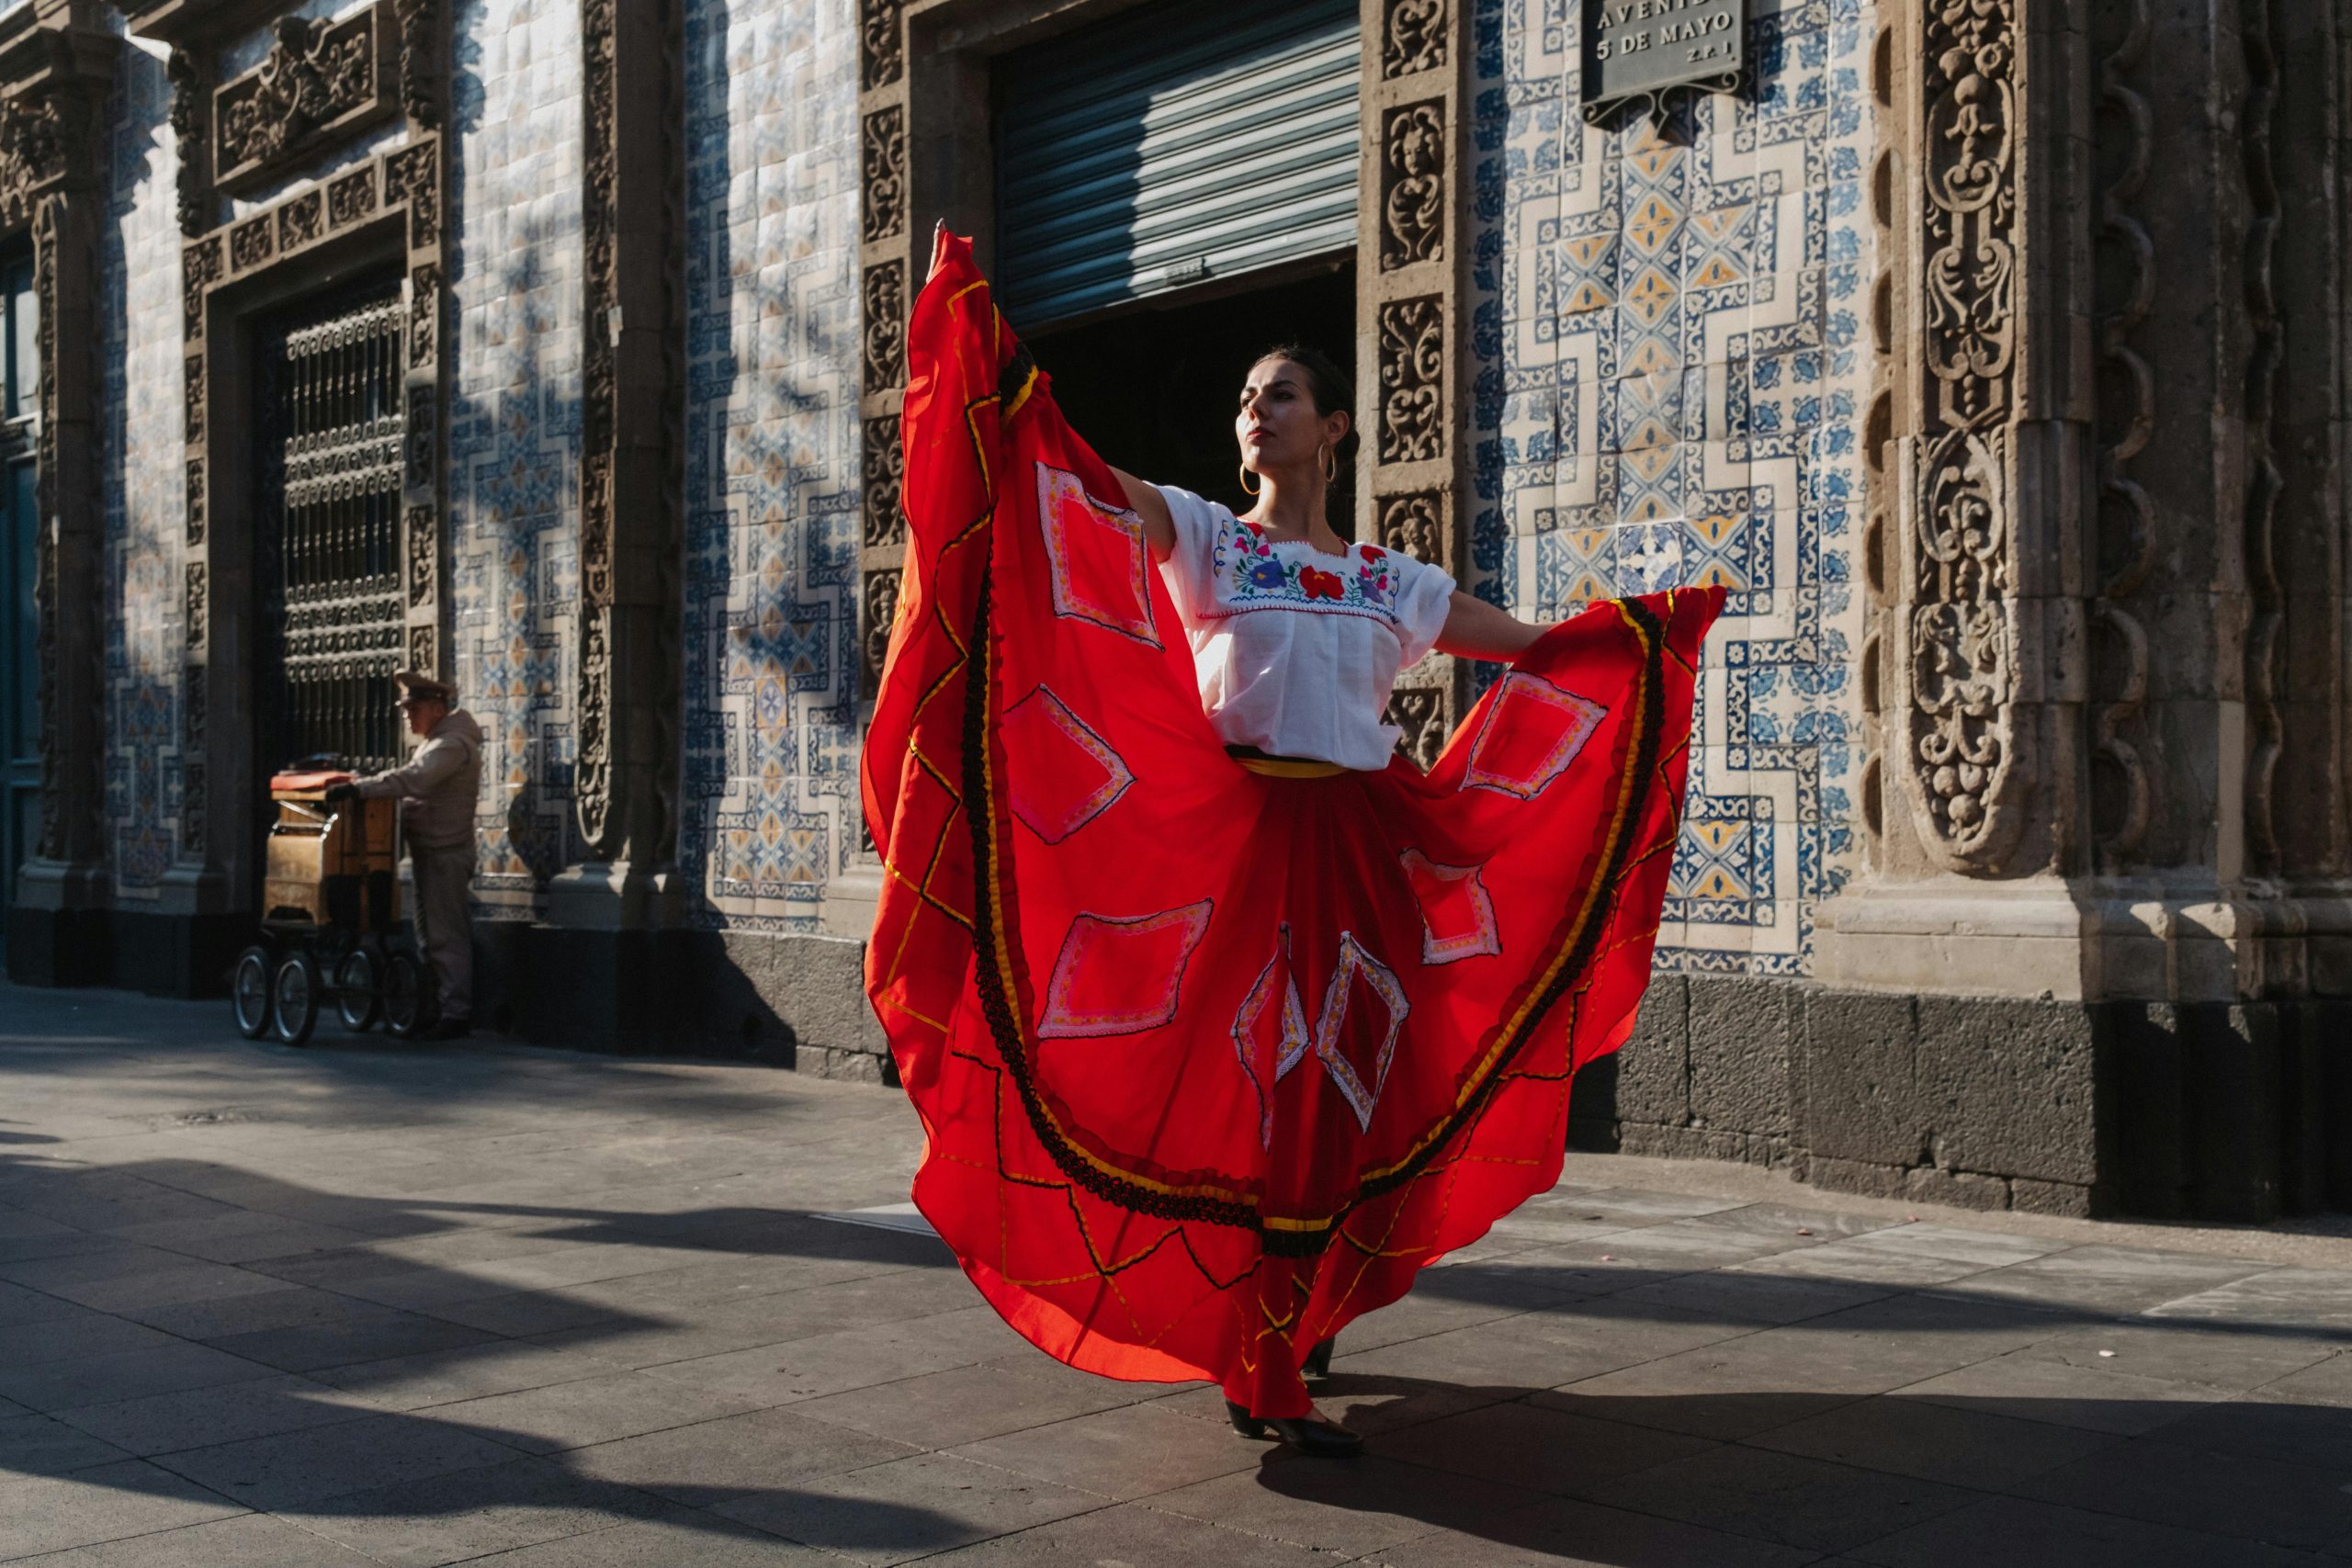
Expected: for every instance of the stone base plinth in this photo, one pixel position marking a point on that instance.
(2204, 1111)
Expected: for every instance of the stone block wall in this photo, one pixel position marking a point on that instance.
(2221, 1112)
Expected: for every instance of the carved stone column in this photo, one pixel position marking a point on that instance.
(1413, 355)
(59, 63)
(1975, 673)
(632, 393)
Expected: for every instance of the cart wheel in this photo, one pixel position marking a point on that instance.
(249, 992)
(294, 999)
(408, 996)
(355, 1001)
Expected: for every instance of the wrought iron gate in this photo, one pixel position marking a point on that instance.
(328, 520)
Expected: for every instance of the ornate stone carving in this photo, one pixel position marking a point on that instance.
(200, 268)
(883, 143)
(424, 315)
(592, 783)
(195, 803)
(187, 131)
(351, 197)
(424, 555)
(196, 501)
(413, 176)
(424, 651)
(251, 243)
(885, 525)
(196, 601)
(1412, 184)
(1420, 713)
(881, 610)
(1414, 525)
(319, 78)
(32, 151)
(881, 42)
(298, 222)
(419, 22)
(196, 394)
(1412, 37)
(2123, 784)
(1412, 379)
(885, 325)
(1958, 623)
(2266, 355)
(423, 404)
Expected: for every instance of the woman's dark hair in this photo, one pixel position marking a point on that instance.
(1330, 386)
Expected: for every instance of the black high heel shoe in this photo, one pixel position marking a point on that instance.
(1308, 1435)
(1318, 1363)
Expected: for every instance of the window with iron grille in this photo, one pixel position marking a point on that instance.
(328, 532)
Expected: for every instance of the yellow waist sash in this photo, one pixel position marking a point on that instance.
(1287, 767)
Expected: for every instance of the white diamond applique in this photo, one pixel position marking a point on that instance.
(1360, 1074)
(1095, 556)
(1271, 1036)
(1457, 915)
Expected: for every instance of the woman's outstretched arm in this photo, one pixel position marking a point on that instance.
(1158, 527)
(1475, 629)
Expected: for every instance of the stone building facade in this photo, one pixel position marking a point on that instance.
(1991, 353)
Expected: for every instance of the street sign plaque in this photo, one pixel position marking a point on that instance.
(1638, 50)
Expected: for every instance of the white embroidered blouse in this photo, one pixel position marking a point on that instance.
(1297, 649)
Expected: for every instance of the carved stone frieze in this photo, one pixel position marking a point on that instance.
(1413, 37)
(881, 610)
(251, 243)
(881, 42)
(883, 470)
(422, 528)
(196, 501)
(883, 162)
(195, 603)
(1412, 184)
(423, 649)
(351, 197)
(188, 121)
(1418, 713)
(418, 469)
(592, 784)
(2264, 358)
(1412, 379)
(1414, 523)
(197, 393)
(200, 268)
(194, 800)
(424, 315)
(33, 147)
(320, 80)
(302, 220)
(2123, 777)
(885, 325)
(1966, 753)
(413, 176)
(419, 23)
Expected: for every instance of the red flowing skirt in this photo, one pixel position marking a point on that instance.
(1211, 1062)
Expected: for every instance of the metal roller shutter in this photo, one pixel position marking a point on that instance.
(1173, 144)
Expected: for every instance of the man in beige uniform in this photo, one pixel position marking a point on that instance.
(437, 789)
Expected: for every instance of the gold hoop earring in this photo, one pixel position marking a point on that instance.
(1331, 463)
(1247, 488)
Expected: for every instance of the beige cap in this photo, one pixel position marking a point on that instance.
(416, 683)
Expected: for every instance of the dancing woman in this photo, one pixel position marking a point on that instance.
(1224, 1021)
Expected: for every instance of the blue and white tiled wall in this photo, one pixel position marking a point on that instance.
(1667, 324)
(1673, 372)
(140, 480)
(770, 781)
(513, 454)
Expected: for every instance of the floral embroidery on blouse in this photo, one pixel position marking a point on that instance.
(1256, 578)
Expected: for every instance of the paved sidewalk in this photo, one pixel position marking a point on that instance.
(363, 1302)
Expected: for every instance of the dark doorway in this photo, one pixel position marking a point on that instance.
(1153, 387)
